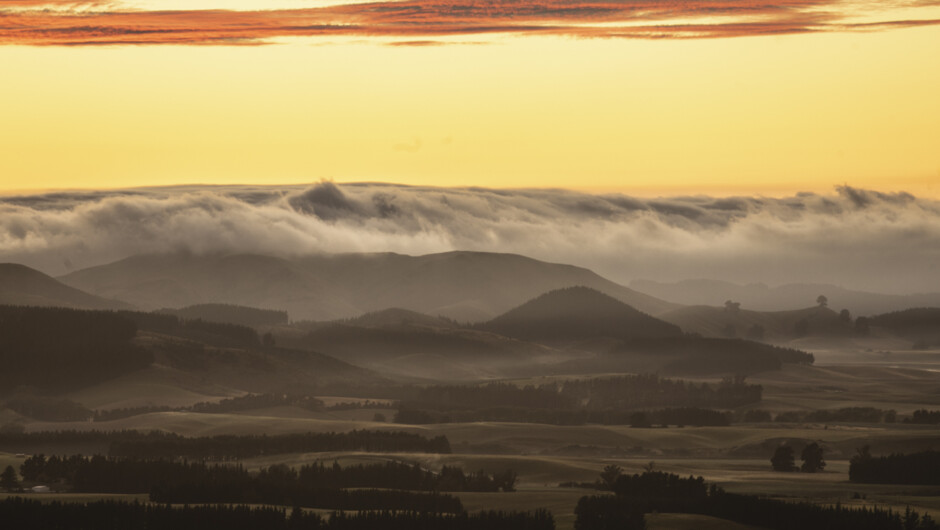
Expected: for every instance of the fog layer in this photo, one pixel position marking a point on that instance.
(856, 238)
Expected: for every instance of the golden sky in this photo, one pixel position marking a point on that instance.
(645, 96)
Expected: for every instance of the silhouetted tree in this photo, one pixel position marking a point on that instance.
(639, 419)
(812, 457)
(783, 459)
(845, 316)
(862, 325)
(822, 300)
(267, 340)
(610, 475)
(732, 307)
(8, 479)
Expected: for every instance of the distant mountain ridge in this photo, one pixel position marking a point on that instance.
(465, 286)
(21, 285)
(761, 297)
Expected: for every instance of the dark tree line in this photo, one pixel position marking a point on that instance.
(117, 515)
(656, 491)
(399, 475)
(54, 348)
(127, 475)
(845, 414)
(199, 483)
(916, 468)
(156, 444)
(925, 417)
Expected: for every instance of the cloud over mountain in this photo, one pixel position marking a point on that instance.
(854, 237)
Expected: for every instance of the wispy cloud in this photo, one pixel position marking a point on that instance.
(64, 22)
(853, 237)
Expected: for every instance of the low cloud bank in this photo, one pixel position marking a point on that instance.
(887, 242)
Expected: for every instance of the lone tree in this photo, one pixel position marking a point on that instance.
(732, 306)
(8, 479)
(845, 316)
(822, 300)
(783, 459)
(812, 457)
(610, 475)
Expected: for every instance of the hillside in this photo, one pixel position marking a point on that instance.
(775, 325)
(918, 324)
(761, 297)
(577, 313)
(413, 348)
(466, 286)
(21, 285)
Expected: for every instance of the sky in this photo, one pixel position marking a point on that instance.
(745, 140)
(643, 97)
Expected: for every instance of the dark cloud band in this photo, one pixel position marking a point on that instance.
(414, 22)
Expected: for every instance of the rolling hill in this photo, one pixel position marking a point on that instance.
(466, 286)
(578, 313)
(21, 285)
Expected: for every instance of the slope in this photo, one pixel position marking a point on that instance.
(578, 313)
(21, 285)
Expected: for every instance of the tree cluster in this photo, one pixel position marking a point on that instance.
(29, 514)
(158, 444)
(656, 491)
(812, 456)
(925, 417)
(845, 414)
(196, 482)
(915, 468)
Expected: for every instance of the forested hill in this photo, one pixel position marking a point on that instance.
(65, 348)
(21, 285)
(576, 313)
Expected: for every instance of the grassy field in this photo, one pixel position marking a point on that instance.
(735, 457)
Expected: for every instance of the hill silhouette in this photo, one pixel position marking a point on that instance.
(919, 324)
(21, 285)
(577, 313)
(466, 286)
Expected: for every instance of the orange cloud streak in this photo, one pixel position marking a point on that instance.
(26, 22)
